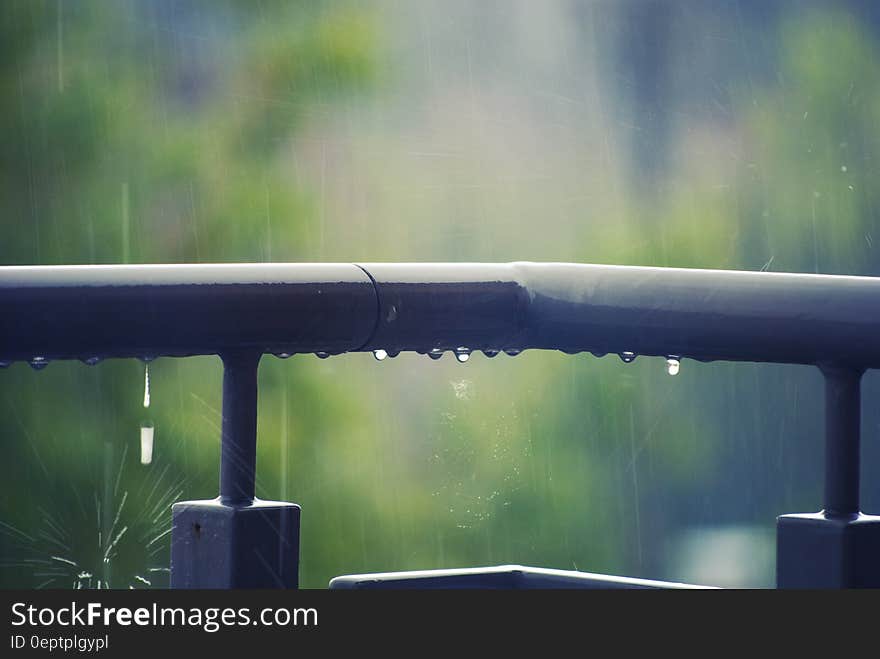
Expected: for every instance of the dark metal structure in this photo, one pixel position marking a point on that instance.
(503, 577)
(241, 311)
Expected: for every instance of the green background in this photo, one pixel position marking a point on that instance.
(716, 134)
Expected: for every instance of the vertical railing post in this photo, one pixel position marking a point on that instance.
(843, 410)
(238, 437)
(838, 547)
(236, 540)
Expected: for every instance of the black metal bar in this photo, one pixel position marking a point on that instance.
(82, 312)
(444, 306)
(68, 312)
(242, 311)
(238, 446)
(842, 427)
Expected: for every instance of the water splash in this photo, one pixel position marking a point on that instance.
(38, 363)
(132, 541)
(673, 365)
(83, 579)
(380, 355)
(63, 560)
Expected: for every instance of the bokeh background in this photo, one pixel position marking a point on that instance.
(718, 134)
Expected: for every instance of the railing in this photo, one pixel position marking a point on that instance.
(242, 311)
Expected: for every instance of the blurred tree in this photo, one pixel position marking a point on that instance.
(145, 132)
(169, 132)
(787, 185)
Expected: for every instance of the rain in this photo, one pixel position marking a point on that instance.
(721, 135)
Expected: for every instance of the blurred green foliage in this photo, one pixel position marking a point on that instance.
(124, 142)
(114, 153)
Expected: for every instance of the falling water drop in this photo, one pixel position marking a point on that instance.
(39, 363)
(490, 353)
(147, 386)
(462, 354)
(627, 357)
(435, 354)
(322, 355)
(673, 365)
(146, 426)
(380, 355)
(146, 443)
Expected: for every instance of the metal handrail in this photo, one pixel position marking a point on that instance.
(78, 312)
(241, 311)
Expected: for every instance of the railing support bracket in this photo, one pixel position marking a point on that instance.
(837, 547)
(236, 540)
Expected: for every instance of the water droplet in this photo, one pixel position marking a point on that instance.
(322, 355)
(147, 385)
(39, 363)
(599, 355)
(673, 365)
(4, 364)
(393, 353)
(283, 355)
(91, 361)
(490, 353)
(512, 352)
(462, 354)
(146, 359)
(435, 354)
(380, 355)
(627, 357)
(146, 443)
